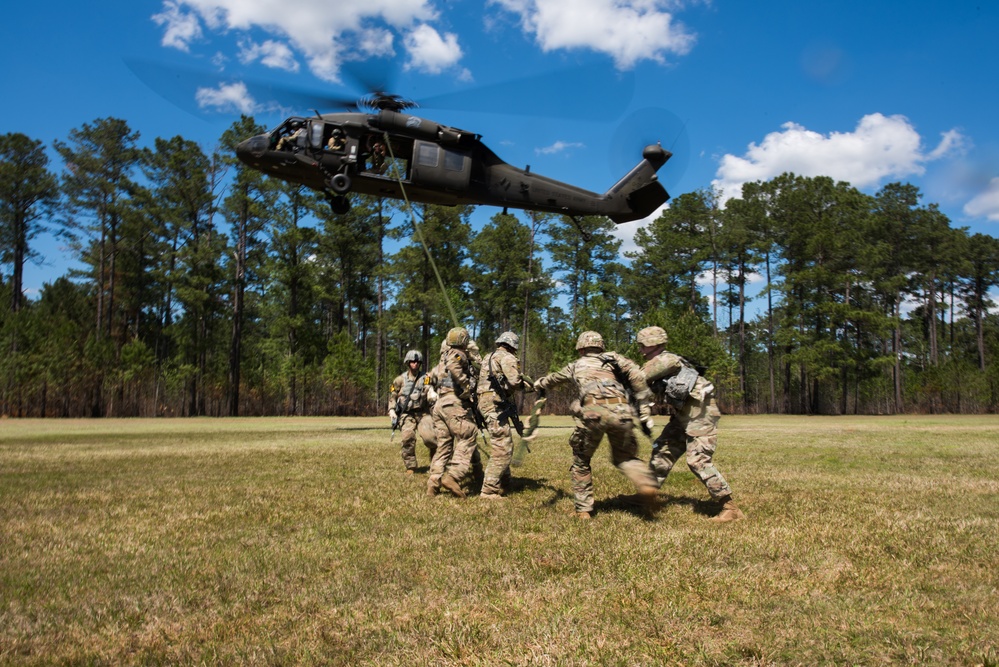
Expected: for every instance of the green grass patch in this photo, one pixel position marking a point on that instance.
(869, 541)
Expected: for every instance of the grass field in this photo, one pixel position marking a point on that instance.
(869, 541)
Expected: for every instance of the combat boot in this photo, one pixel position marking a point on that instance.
(585, 516)
(729, 511)
(452, 485)
(648, 496)
(431, 490)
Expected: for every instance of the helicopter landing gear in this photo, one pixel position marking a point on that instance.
(339, 203)
(340, 183)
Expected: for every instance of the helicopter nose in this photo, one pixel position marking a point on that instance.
(252, 149)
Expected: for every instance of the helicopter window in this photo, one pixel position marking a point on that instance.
(453, 161)
(427, 155)
(316, 134)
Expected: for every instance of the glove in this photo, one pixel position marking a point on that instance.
(647, 425)
(393, 416)
(431, 395)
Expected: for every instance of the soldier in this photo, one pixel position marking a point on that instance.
(409, 411)
(454, 422)
(499, 377)
(605, 380)
(693, 426)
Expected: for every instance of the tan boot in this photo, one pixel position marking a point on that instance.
(585, 516)
(410, 471)
(431, 490)
(452, 485)
(648, 496)
(729, 511)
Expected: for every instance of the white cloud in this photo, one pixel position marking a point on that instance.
(986, 203)
(318, 29)
(558, 147)
(627, 30)
(880, 147)
(625, 231)
(181, 28)
(226, 98)
(431, 52)
(271, 53)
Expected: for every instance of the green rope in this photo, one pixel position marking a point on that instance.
(419, 231)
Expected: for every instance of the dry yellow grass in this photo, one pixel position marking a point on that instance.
(299, 541)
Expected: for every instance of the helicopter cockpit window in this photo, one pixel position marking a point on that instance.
(289, 134)
(427, 155)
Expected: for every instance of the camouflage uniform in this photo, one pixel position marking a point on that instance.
(604, 408)
(499, 377)
(693, 426)
(408, 407)
(454, 422)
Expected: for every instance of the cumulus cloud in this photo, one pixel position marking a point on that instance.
(986, 203)
(431, 52)
(558, 147)
(626, 30)
(318, 29)
(879, 147)
(180, 27)
(271, 53)
(227, 97)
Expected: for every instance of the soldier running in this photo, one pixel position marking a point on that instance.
(409, 411)
(605, 381)
(693, 425)
(454, 422)
(499, 377)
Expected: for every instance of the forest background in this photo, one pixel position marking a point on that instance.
(208, 289)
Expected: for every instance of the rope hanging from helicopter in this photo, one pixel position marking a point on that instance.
(419, 230)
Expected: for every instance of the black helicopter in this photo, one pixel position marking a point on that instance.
(379, 150)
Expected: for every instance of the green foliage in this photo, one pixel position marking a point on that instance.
(209, 289)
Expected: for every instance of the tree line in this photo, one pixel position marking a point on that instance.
(208, 289)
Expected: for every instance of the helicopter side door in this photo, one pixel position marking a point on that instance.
(440, 167)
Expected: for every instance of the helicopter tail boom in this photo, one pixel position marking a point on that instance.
(640, 193)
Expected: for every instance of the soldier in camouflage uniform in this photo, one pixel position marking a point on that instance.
(693, 426)
(499, 377)
(409, 411)
(454, 422)
(605, 380)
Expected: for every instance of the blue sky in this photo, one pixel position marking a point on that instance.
(866, 92)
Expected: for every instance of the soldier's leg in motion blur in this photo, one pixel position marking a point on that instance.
(425, 427)
(702, 440)
(462, 427)
(497, 474)
(445, 446)
(624, 450)
(407, 425)
(668, 448)
(584, 442)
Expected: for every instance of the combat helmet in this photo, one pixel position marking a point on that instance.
(590, 339)
(510, 339)
(651, 336)
(458, 337)
(413, 355)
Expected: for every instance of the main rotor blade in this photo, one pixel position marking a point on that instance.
(553, 94)
(200, 92)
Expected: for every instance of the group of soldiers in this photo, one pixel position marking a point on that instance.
(464, 393)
